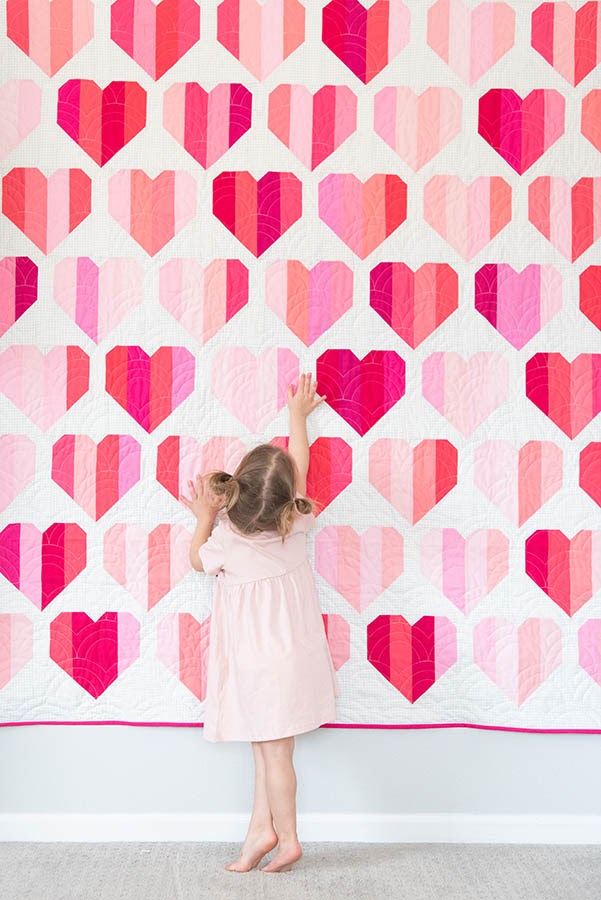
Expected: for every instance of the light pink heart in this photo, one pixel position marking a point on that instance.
(589, 648)
(518, 659)
(17, 470)
(20, 107)
(360, 567)
(50, 33)
(203, 298)
(312, 126)
(97, 298)
(147, 564)
(569, 216)
(470, 41)
(465, 392)
(261, 35)
(518, 480)
(338, 633)
(183, 648)
(253, 388)
(468, 217)
(417, 127)
(181, 458)
(16, 645)
(464, 569)
(44, 386)
(308, 301)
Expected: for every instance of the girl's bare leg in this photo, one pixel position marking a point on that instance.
(261, 837)
(281, 793)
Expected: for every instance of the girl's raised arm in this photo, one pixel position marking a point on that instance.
(300, 404)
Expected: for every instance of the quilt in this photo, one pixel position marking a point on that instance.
(200, 200)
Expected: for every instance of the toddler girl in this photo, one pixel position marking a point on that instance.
(270, 673)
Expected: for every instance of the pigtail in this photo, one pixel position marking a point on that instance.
(298, 506)
(224, 485)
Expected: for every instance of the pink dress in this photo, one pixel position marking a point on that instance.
(270, 672)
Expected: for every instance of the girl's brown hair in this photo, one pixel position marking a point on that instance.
(260, 495)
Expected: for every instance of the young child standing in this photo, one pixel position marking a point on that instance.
(270, 674)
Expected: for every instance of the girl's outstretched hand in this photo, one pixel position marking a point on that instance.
(304, 400)
(203, 500)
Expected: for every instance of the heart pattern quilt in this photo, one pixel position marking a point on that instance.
(202, 200)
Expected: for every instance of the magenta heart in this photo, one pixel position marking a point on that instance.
(94, 654)
(365, 40)
(18, 289)
(521, 130)
(361, 390)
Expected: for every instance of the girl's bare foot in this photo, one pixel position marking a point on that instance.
(285, 858)
(256, 845)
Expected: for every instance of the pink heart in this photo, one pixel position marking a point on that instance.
(361, 390)
(44, 386)
(465, 392)
(589, 648)
(569, 393)
(518, 304)
(147, 564)
(96, 476)
(20, 106)
(261, 35)
(470, 41)
(17, 453)
(203, 298)
(590, 121)
(330, 469)
(590, 294)
(18, 289)
(181, 459)
(518, 481)
(97, 298)
(567, 569)
(467, 569)
(308, 301)
(50, 33)
(413, 480)
(149, 388)
(183, 647)
(589, 471)
(94, 653)
(42, 564)
(259, 212)
(468, 217)
(362, 214)
(360, 567)
(417, 127)
(101, 121)
(207, 123)
(155, 35)
(152, 210)
(46, 210)
(253, 388)
(312, 126)
(518, 659)
(412, 657)
(521, 130)
(414, 304)
(338, 633)
(365, 40)
(569, 39)
(569, 217)
(16, 645)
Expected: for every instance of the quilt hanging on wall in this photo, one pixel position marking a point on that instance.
(201, 200)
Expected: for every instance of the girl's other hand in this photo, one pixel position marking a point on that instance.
(304, 400)
(203, 500)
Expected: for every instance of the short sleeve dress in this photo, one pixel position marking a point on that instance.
(270, 672)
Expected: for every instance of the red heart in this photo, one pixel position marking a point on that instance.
(361, 390)
(330, 468)
(100, 121)
(589, 477)
(94, 654)
(155, 35)
(414, 304)
(569, 393)
(411, 657)
(590, 294)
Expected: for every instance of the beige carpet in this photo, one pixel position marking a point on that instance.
(184, 871)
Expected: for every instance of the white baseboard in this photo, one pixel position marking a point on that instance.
(418, 828)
